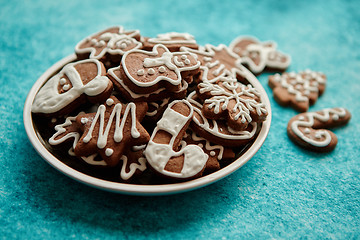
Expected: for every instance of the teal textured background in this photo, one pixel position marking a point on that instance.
(283, 192)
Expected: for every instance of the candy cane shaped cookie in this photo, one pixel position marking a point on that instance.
(306, 129)
(162, 150)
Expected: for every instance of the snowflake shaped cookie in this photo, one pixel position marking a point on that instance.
(258, 55)
(229, 99)
(299, 90)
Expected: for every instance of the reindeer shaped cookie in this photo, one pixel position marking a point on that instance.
(258, 55)
(114, 41)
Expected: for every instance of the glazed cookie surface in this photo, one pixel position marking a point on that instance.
(74, 85)
(172, 40)
(114, 127)
(309, 129)
(162, 150)
(109, 44)
(258, 56)
(233, 101)
(147, 71)
(298, 90)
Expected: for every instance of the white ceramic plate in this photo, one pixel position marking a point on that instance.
(135, 189)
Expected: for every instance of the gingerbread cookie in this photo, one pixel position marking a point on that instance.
(74, 85)
(172, 40)
(108, 45)
(162, 150)
(146, 72)
(306, 129)
(215, 152)
(111, 130)
(233, 101)
(258, 55)
(218, 131)
(133, 161)
(115, 76)
(299, 90)
(216, 62)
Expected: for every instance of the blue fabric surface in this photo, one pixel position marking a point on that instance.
(283, 192)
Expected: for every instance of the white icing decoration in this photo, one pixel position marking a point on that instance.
(168, 38)
(49, 100)
(62, 81)
(264, 52)
(157, 106)
(162, 69)
(119, 124)
(113, 43)
(208, 145)
(151, 71)
(66, 87)
(214, 130)
(211, 64)
(84, 120)
(323, 116)
(91, 160)
(222, 95)
(140, 72)
(133, 167)
(212, 153)
(159, 154)
(109, 152)
(166, 60)
(295, 83)
(109, 101)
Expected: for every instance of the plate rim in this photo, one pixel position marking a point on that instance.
(136, 189)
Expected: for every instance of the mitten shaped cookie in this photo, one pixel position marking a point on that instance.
(73, 86)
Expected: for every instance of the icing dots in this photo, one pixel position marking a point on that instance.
(306, 128)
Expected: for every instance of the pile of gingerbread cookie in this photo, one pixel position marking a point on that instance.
(165, 106)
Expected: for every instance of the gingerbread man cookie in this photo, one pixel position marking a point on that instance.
(113, 128)
(109, 44)
(74, 85)
(233, 101)
(162, 150)
(299, 90)
(218, 131)
(172, 40)
(306, 129)
(146, 72)
(258, 55)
